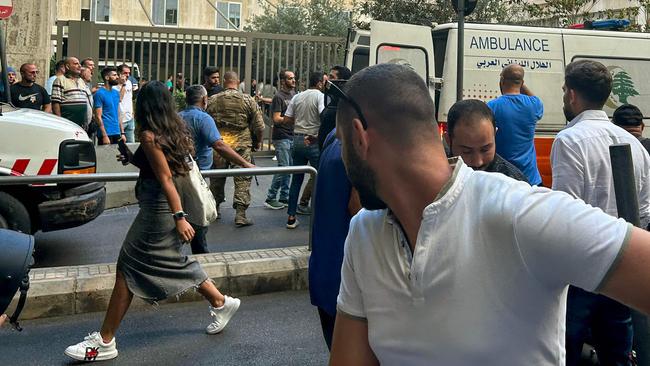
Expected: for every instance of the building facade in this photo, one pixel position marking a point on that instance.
(202, 14)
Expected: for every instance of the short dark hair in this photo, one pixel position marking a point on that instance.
(107, 70)
(628, 115)
(194, 93)
(343, 72)
(315, 77)
(83, 62)
(209, 70)
(591, 80)
(468, 110)
(394, 99)
(283, 74)
(122, 67)
(59, 64)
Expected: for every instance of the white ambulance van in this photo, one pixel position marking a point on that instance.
(543, 52)
(37, 143)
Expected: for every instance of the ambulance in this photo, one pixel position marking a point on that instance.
(543, 52)
(37, 143)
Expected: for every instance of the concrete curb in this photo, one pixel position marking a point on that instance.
(72, 290)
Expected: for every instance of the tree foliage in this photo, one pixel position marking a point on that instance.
(304, 17)
(427, 12)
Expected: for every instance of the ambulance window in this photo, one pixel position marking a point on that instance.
(416, 58)
(360, 59)
(629, 82)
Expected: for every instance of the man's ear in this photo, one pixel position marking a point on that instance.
(360, 138)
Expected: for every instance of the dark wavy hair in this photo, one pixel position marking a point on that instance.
(155, 111)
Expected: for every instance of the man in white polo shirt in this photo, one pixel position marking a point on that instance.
(451, 266)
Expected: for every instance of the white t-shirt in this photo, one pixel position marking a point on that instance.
(487, 282)
(126, 104)
(305, 107)
(582, 168)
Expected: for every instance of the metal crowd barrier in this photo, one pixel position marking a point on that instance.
(132, 176)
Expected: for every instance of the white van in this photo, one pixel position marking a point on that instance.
(38, 143)
(543, 52)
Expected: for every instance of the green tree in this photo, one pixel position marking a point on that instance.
(623, 86)
(306, 17)
(427, 12)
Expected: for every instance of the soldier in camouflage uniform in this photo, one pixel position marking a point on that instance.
(235, 115)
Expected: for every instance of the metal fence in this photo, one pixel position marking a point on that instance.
(158, 52)
(132, 176)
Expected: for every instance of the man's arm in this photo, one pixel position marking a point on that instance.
(57, 96)
(100, 122)
(257, 122)
(46, 107)
(56, 108)
(278, 119)
(350, 343)
(524, 90)
(567, 168)
(629, 278)
(229, 154)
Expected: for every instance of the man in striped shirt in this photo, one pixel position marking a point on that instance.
(69, 96)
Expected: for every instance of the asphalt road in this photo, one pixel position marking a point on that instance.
(99, 241)
(272, 329)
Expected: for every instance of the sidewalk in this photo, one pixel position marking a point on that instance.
(58, 291)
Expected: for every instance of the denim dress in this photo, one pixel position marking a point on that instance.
(151, 258)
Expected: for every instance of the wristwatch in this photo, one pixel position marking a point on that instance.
(179, 215)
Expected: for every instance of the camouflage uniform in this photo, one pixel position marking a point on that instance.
(235, 113)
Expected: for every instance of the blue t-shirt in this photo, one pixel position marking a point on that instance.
(516, 116)
(204, 133)
(109, 102)
(331, 224)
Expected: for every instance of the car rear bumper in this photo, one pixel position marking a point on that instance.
(80, 205)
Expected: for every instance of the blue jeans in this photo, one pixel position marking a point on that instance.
(600, 321)
(301, 154)
(129, 128)
(281, 181)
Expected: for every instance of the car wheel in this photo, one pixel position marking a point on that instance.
(13, 214)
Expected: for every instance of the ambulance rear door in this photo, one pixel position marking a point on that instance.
(404, 44)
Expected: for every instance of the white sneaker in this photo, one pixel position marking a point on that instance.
(221, 316)
(92, 348)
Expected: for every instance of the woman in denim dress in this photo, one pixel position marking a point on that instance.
(150, 264)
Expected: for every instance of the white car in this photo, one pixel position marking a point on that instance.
(37, 143)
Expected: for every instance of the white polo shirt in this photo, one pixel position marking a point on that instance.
(581, 165)
(487, 281)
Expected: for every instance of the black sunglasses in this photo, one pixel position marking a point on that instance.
(335, 91)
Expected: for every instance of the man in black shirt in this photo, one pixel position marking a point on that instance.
(328, 116)
(28, 94)
(211, 80)
(471, 135)
(630, 118)
(282, 141)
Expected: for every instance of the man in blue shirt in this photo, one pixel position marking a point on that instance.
(516, 113)
(334, 205)
(107, 104)
(206, 137)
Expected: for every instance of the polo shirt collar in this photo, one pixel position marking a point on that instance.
(590, 115)
(448, 193)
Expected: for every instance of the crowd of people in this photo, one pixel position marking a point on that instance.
(421, 253)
